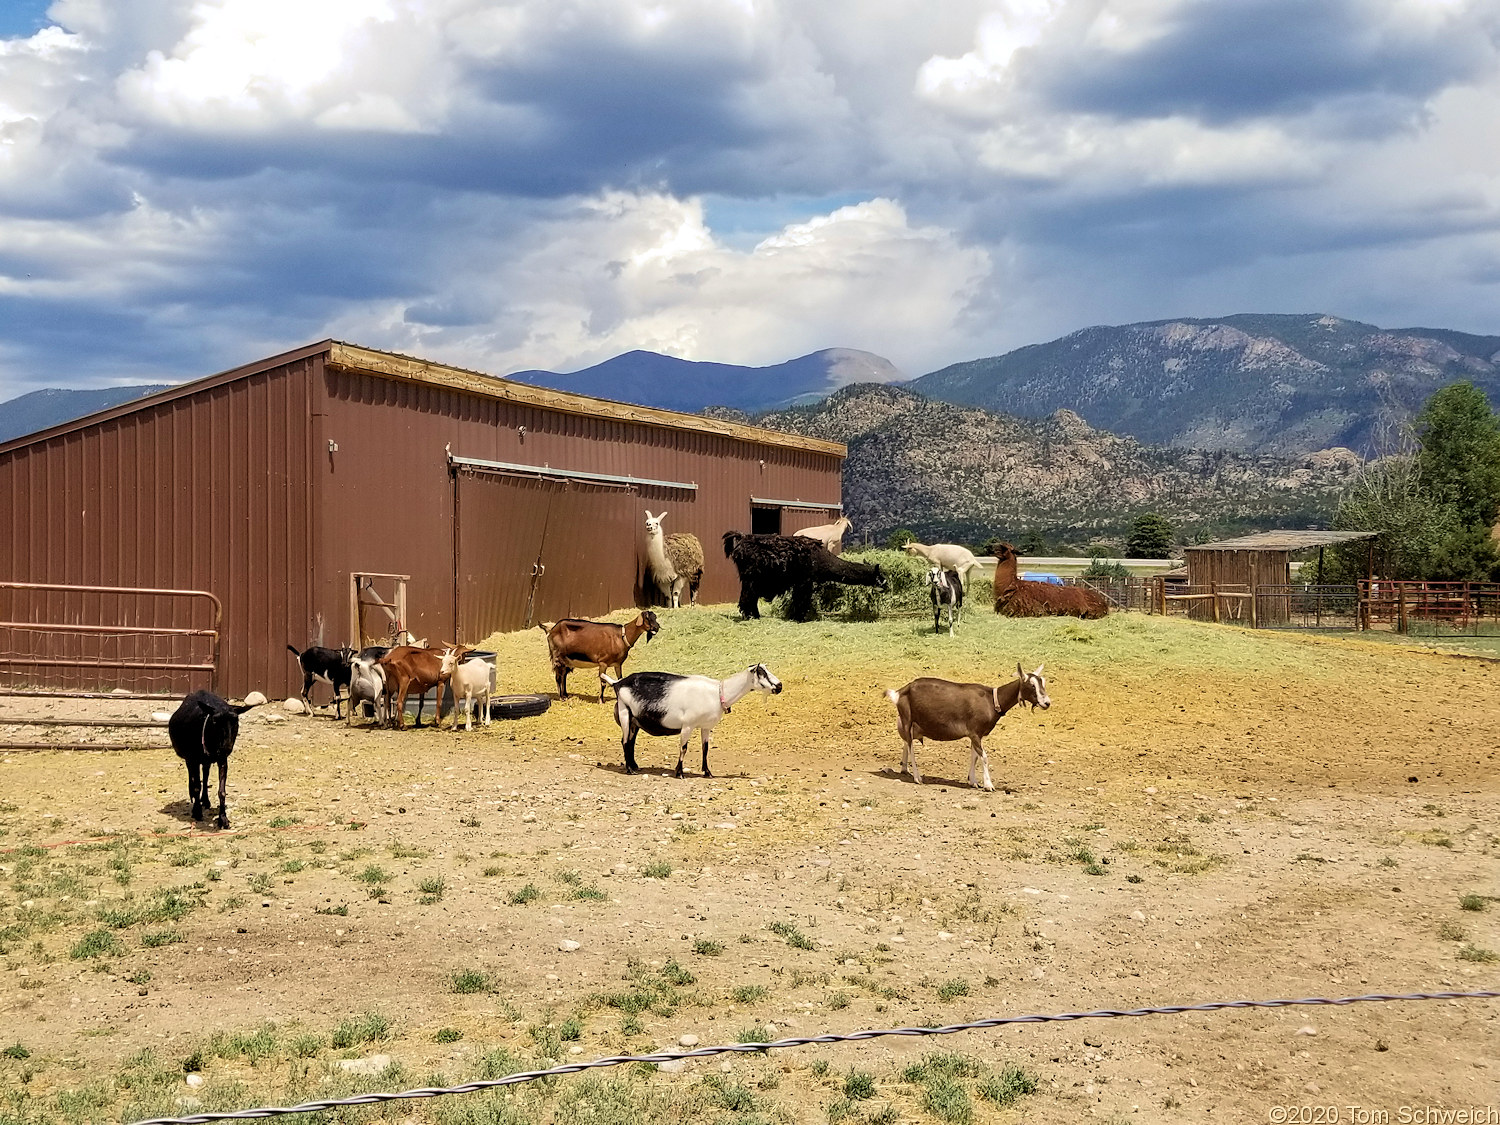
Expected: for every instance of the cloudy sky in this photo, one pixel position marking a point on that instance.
(190, 184)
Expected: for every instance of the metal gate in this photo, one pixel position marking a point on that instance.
(103, 642)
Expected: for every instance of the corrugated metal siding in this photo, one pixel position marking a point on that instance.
(387, 502)
(205, 491)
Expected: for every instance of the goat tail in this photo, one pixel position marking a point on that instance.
(890, 693)
(294, 652)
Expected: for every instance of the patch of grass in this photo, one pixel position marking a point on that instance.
(528, 893)
(658, 870)
(195, 1062)
(469, 821)
(285, 821)
(468, 981)
(341, 910)
(97, 943)
(492, 870)
(707, 947)
(752, 1034)
(253, 1046)
(838, 1001)
(859, 1086)
(748, 993)
(953, 989)
(399, 850)
(371, 1027)
(448, 1035)
(791, 935)
(1389, 861)
(570, 1030)
(156, 938)
(1011, 1083)
(1473, 902)
(589, 893)
(292, 866)
(305, 1046)
(432, 889)
(1474, 953)
(374, 875)
(187, 857)
(1451, 931)
(16, 1051)
(947, 1100)
(673, 973)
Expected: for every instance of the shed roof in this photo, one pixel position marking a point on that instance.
(1283, 540)
(352, 357)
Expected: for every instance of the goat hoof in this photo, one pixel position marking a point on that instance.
(222, 822)
(707, 774)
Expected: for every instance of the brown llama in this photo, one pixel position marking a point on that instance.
(1019, 597)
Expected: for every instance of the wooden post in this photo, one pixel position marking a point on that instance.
(1213, 594)
(355, 632)
(1401, 607)
(1254, 615)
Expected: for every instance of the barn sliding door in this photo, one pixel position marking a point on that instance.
(534, 550)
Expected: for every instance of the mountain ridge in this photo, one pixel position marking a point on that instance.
(1250, 382)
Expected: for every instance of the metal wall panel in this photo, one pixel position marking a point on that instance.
(199, 489)
(385, 501)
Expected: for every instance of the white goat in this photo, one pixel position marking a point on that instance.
(831, 535)
(949, 556)
(945, 589)
(471, 682)
(367, 685)
(661, 703)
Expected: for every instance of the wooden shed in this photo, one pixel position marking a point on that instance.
(1253, 564)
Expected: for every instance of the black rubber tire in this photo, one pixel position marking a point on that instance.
(518, 706)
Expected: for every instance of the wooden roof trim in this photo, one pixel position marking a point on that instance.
(351, 357)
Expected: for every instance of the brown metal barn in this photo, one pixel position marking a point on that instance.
(275, 484)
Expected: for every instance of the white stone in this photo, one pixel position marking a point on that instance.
(673, 1066)
(273, 717)
(944, 935)
(1138, 915)
(255, 699)
(687, 1040)
(1151, 789)
(367, 1066)
(293, 706)
(1307, 1029)
(568, 945)
(195, 1079)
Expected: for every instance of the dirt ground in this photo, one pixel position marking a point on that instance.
(1307, 824)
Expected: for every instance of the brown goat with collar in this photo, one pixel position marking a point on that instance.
(944, 711)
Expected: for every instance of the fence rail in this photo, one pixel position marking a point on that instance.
(58, 639)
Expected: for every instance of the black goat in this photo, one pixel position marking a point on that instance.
(770, 565)
(331, 665)
(203, 730)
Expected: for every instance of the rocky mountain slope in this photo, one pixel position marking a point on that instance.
(1249, 383)
(964, 473)
(681, 384)
(40, 410)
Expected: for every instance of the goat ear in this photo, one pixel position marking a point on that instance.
(1038, 671)
(1020, 671)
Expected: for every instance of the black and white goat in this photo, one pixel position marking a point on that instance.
(203, 730)
(946, 589)
(661, 703)
(331, 665)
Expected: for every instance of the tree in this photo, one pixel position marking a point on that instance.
(1391, 498)
(1031, 543)
(900, 538)
(1102, 566)
(1460, 455)
(1151, 537)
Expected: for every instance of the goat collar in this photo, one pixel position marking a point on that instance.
(724, 707)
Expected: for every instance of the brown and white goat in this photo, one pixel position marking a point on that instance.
(1021, 597)
(573, 643)
(944, 711)
(420, 669)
